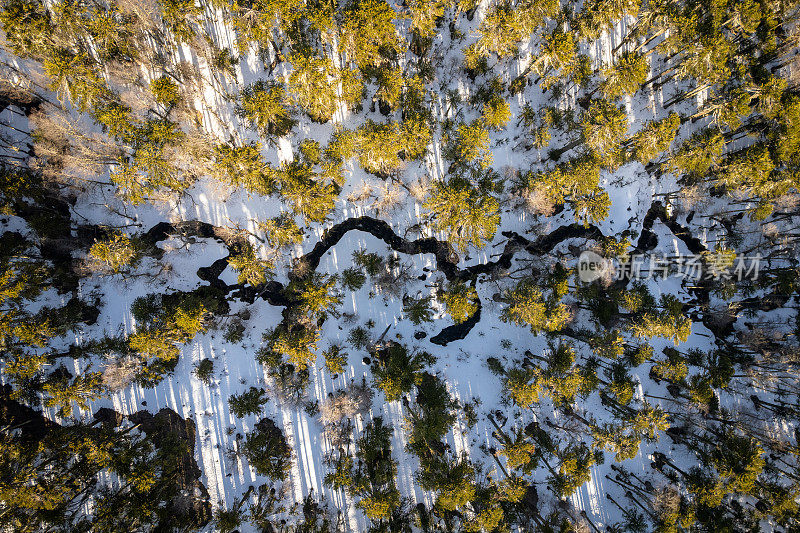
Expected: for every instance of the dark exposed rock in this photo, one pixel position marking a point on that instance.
(10, 95)
(109, 417)
(212, 273)
(32, 424)
(191, 502)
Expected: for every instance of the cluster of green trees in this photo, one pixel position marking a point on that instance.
(33, 332)
(163, 323)
(112, 103)
(369, 473)
(396, 370)
(48, 472)
(310, 183)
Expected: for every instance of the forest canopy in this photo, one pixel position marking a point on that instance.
(418, 265)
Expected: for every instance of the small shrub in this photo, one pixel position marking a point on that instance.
(235, 332)
(248, 403)
(120, 373)
(359, 338)
(371, 263)
(335, 359)
(281, 231)
(204, 370)
(353, 279)
(267, 451)
(311, 408)
(470, 412)
(227, 520)
(418, 310)
(114, 253)
(396, 370)
(165, 91)
(347, 403)
(460, 301)
(249, 267)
